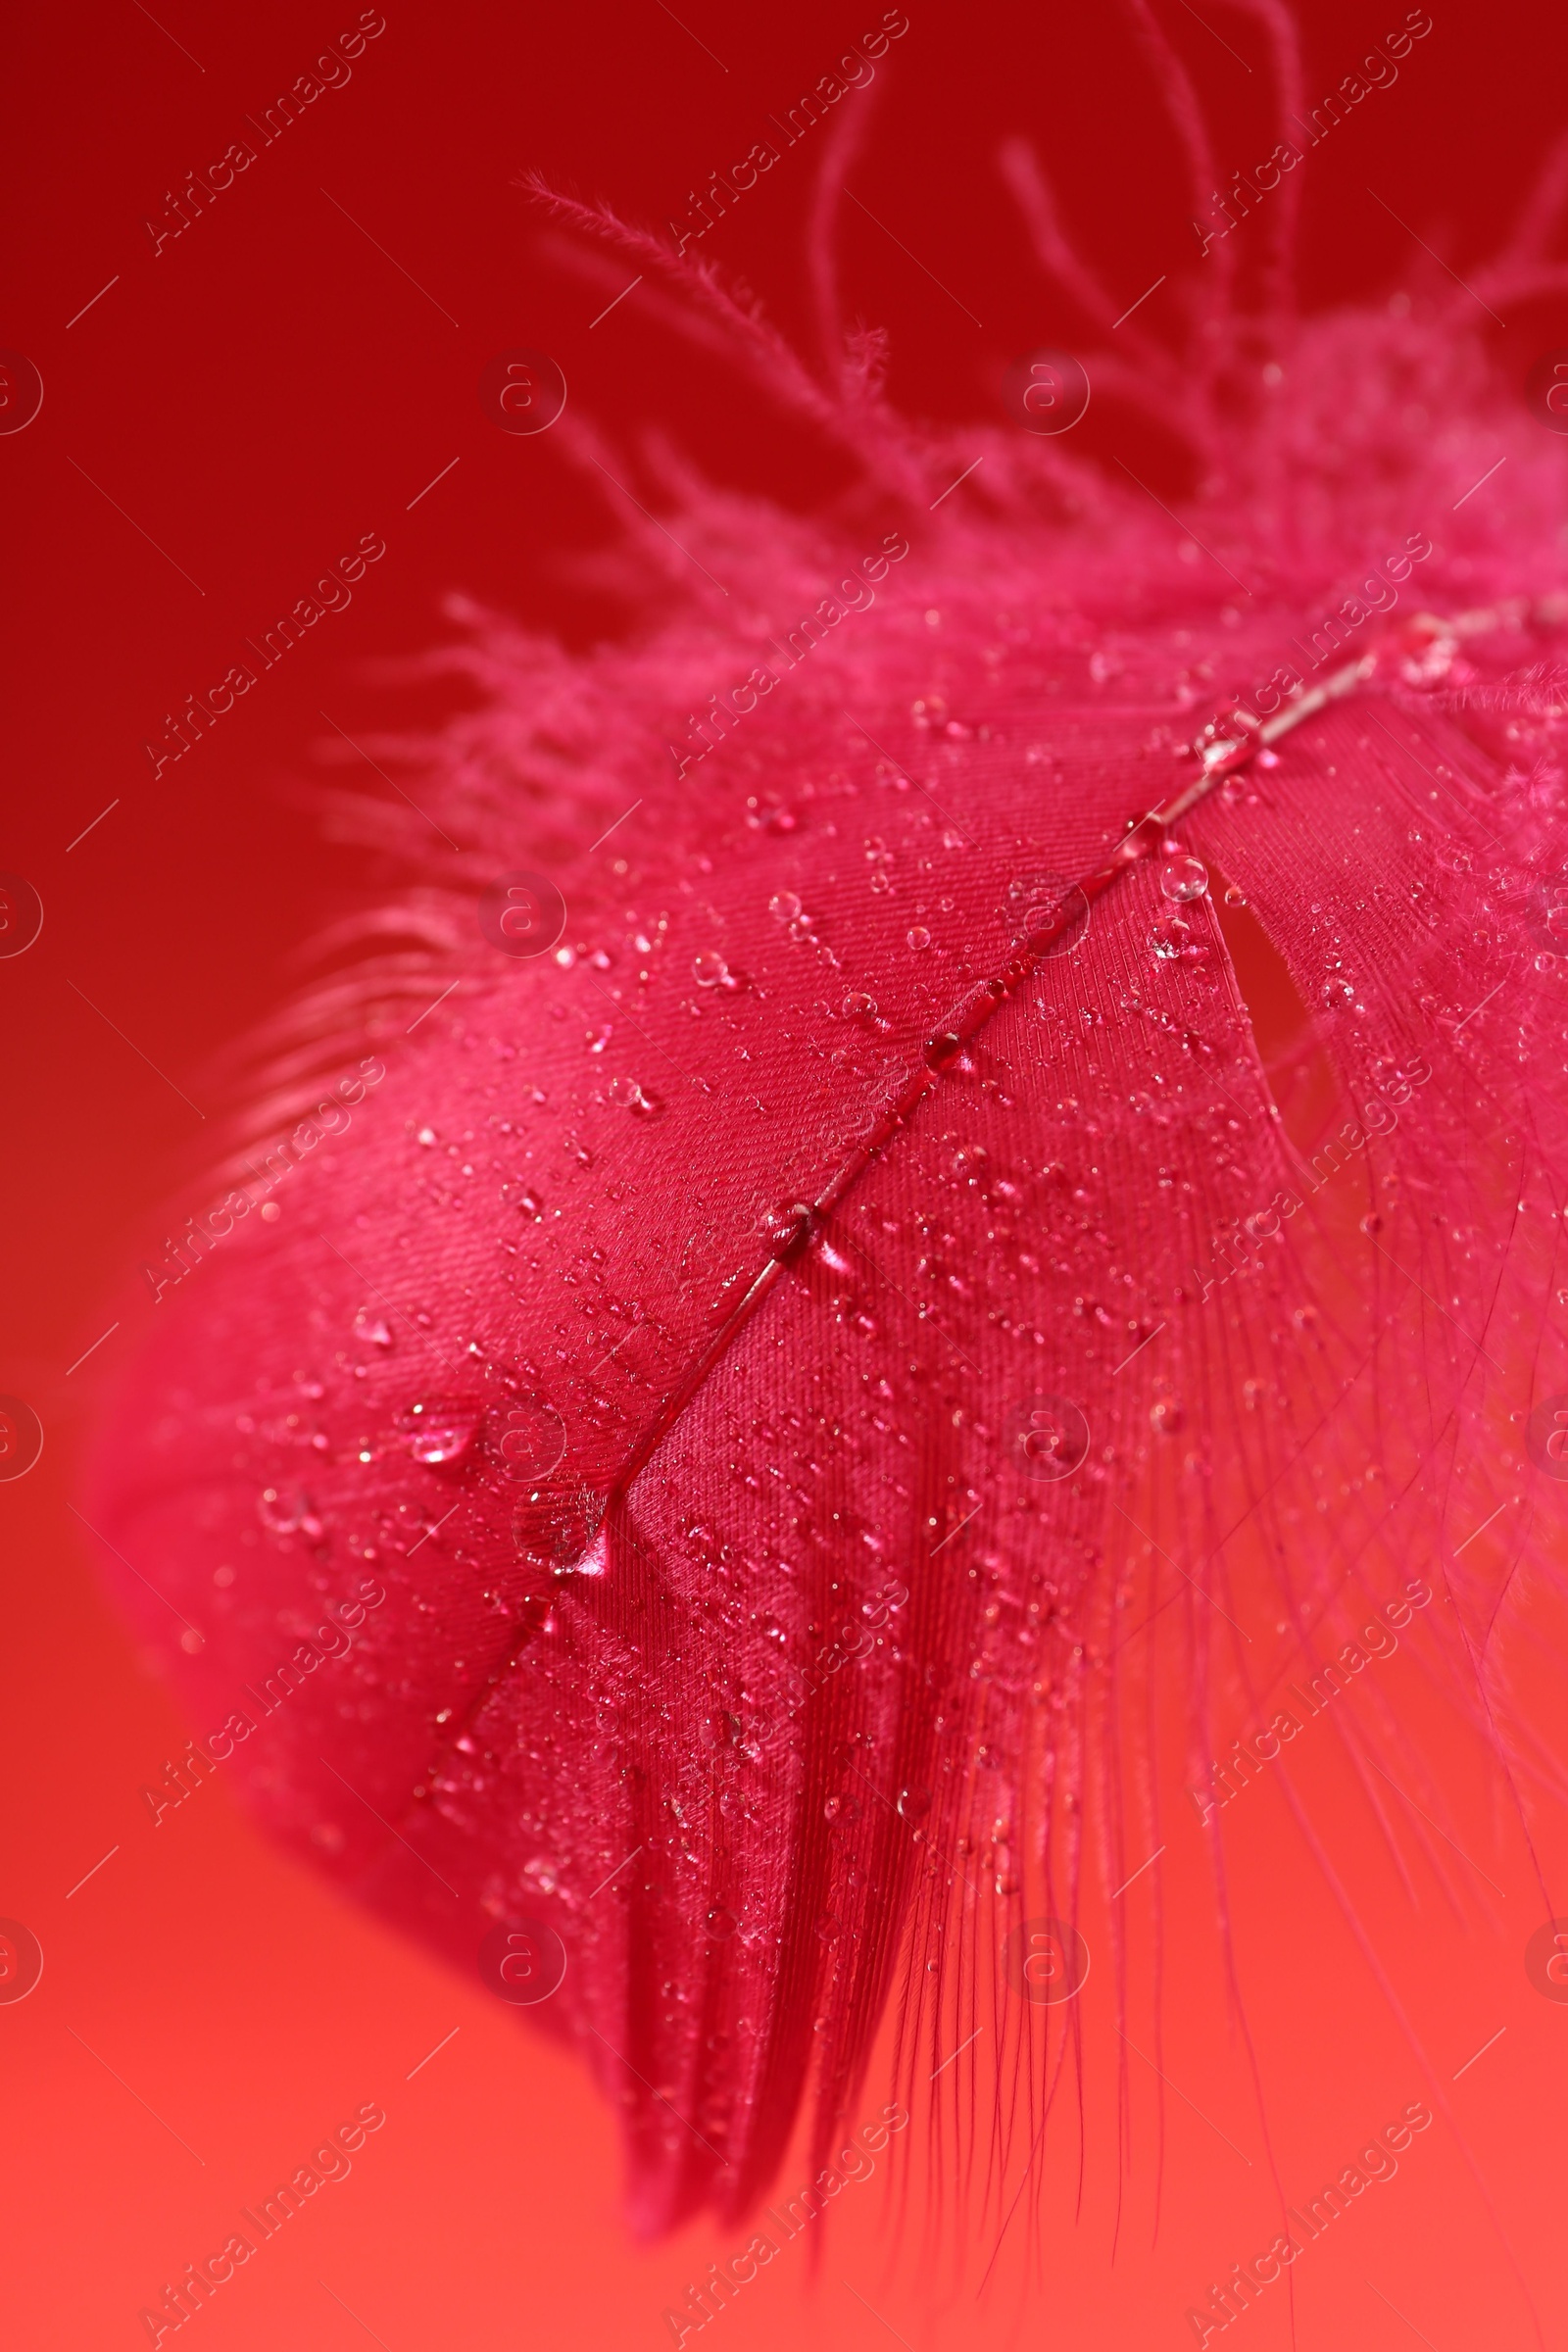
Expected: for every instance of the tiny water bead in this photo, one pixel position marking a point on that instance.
(784, 906)
(1182, 879)
(919, 937)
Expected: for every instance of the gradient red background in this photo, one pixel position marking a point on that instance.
(231, 415)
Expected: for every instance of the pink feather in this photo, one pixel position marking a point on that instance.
(824, 1362)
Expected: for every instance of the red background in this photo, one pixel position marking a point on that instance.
(256, 396)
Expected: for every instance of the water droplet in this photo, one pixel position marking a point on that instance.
(721, 1924)
(441, 1430)
(1166, 1417)
(523, 1198)
(1234, 897)
(938, 1052)
(914, 1803)
(784, 905)
(371, 1328)
(709, 969)
(1182, 879)
(628, 1095)
(857, 1007)
(919, 937)
(1335, 993)
(787, 1228)
(1170, 938)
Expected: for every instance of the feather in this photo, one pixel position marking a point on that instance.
(935, 1271)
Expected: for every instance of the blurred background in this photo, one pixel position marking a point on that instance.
(227, 411)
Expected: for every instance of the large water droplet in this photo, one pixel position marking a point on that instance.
(442, 1430)
(1182, 879)
(709, 969)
